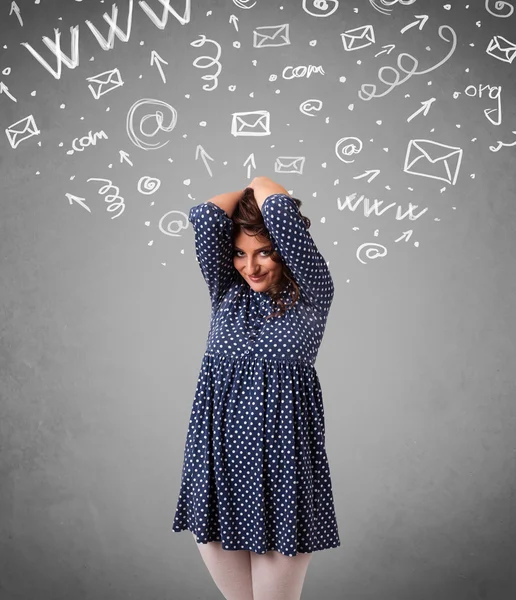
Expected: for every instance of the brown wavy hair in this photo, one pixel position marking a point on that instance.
(248, 217)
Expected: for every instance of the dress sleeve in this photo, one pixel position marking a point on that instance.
(293, 242)
(213, 247)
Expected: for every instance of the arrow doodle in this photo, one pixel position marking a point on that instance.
(250, 163)
(200, 151)
(16, 9)
(5, 90)
(234, 19)
(374, 173)
(157, 60)
(79, 200)
(386, 50)
(424, 109)
(125, 156)
(421, 20)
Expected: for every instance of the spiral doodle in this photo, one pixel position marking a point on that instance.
(111, 198)
(352, 147)
(211, 61)
(500, 5)
(148, 185)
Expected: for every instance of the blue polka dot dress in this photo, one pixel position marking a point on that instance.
(255, 473)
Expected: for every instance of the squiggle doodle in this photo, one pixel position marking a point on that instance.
(157, 115)
(501, 144)
(110, 197)
(352, 147)
(211, 61)
(387, 11)
(500, 5)
(148, 185)
(368, 90)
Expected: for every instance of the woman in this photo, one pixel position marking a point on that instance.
(255, 488)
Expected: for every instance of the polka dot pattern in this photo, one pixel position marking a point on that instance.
(256, 474)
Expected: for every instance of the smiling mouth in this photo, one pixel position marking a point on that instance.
(257, 278)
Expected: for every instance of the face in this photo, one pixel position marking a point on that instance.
(251, 256)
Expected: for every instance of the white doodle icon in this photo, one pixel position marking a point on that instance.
(432, 159)
(355, 39)
(148, 185)
(254, 123)
(289, 164)
(500, 5)
(157, 116)
(21, 130)
(501, 49)
(103, 83)
(310, 106)
(271, 36)
(347, 147)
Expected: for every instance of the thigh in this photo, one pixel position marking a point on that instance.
(278, 577)
(229, 569)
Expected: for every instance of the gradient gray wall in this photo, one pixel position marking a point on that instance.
(104, 314)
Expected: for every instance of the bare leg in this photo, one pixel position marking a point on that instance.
(278, 577)
(229, 569)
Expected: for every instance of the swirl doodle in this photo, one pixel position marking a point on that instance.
(148, 185)
(368, 90)
(165, 224)
(211, 61)
(347, 149)
(325, 9)
(157, 115)
(500, 5)
(387, 11)
(111, 198)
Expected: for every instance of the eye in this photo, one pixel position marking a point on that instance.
(267, 252)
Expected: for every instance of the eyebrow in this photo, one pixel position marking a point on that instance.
(257, 250)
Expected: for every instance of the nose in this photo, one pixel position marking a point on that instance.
(252, 266)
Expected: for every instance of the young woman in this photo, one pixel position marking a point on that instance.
(256, 489)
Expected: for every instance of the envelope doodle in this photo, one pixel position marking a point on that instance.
(289, 164)
(251, 123)
(361, 37)
(104, 82)
(21, 130)
(502, 49)
(432, 159)
(271, 36)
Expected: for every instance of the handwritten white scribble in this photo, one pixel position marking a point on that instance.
(387, 3)
(166, 227)
(104, 82)
(311, 106)
(386, 49)
(148, 185)
(156, 59)
(161, 23)
(348, 146)
(376, 207)
(5, 90)
(289, 164)
(368, 90)
(157, 116)
(21, 130)
(493, 115)
(79, 144)
(324, 8)
(16, 9)
(502, 144)
(55, 47)
(502, 49)
(500, 5)
(113, 28)
(210, 62)
(433, 159)
(243, 4)
(253, 123)
(271, 36)
(111, 198)
(360, 37)
(301, 71)
(420, 21)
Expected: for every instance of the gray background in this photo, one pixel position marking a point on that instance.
(104, 320)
